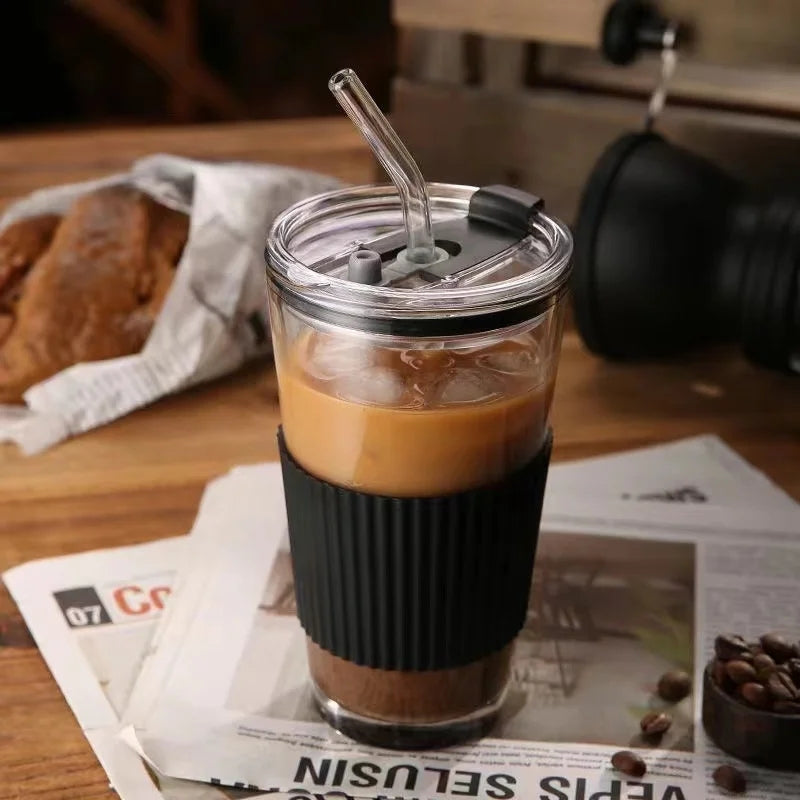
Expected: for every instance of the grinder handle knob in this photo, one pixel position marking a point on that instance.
(631, 26)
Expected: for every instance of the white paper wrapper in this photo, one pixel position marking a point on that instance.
(214, 317)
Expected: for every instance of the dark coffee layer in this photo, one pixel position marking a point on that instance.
(405, 696)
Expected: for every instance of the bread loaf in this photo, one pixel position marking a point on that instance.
(84, 287)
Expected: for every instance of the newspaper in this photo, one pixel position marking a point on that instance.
(80, 611)
(700, 469)
(228, 656)
(93, 616)
(214, 316)
(631, 603)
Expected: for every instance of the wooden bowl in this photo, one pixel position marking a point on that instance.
(759, 737)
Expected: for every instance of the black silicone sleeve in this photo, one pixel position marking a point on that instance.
(413, 583)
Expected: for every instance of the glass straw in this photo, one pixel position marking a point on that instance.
(395, 158)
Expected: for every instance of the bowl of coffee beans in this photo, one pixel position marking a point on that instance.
(751, 699)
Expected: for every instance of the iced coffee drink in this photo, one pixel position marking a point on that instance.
(413, 423)
(414, 446)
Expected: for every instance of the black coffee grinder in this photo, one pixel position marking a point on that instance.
(672, 253)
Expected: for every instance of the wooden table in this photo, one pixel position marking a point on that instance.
(141, 477)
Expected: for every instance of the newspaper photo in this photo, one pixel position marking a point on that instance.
(621, 593)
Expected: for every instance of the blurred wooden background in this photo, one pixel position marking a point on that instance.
(517, 91)
(115, 62)
(482, 90)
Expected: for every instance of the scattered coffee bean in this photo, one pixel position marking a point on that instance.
(777, 647)
(763, 661)
(755, 694)
(786, 707)
(793, 665)
(729, 778)
(740, 671)
(655, 723)
(674, 685)
(629, 763)
(729, 645)
(781, 686)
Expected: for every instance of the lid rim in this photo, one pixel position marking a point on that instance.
(419, 325)
(295, 278)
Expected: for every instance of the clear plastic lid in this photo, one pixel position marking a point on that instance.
(500, 260)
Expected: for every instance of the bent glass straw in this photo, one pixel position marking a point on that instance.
(395, 158)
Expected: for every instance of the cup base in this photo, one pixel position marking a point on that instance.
(407, 735)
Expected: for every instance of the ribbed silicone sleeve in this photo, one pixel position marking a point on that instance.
(413, 583)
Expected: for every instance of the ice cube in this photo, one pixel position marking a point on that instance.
(380, 386)
(466, 385)
(427, 359)
(511, 361)
(329, 356)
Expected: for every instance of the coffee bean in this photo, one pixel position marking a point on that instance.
(720, 674)
(729, 645)
(740, 671)
(762, 661)
(793, 665)
(629, 763)
(754, 694)
(781, 686)
(762, 676)
(729, 778)
(776, 646)
(786, 707)
(674, 685)
(655, 723)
